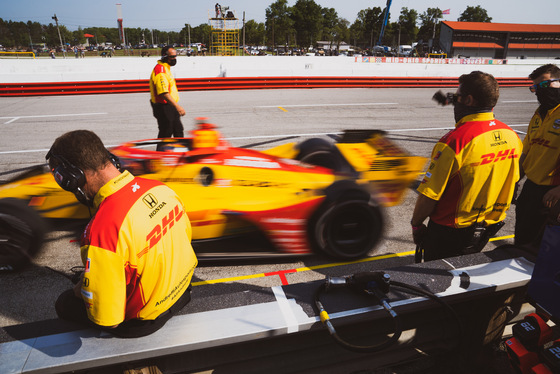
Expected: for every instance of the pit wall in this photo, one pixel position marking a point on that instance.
(139, 68)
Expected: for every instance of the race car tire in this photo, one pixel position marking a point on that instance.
(348, 227)
(320, 152)
(22, 231)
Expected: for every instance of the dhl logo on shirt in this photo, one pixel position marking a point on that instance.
(541, 141)
(160, 230)
(495, 157)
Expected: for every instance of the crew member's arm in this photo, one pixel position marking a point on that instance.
(551, 197)
(424, 207)
(170, 100)
(521, 160)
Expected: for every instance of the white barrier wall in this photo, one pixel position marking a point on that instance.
(131, 68)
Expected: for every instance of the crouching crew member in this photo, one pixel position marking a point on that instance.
(136, 249)
(470, 181)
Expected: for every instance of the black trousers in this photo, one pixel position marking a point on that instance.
(443, 241)
(530, 213)
(168, 119)
(72, 308)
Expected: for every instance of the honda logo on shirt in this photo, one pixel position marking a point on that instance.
(497, 136)
(150, 200)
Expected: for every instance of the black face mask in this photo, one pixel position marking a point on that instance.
(172, 61)
(548, 97)
(460, 110)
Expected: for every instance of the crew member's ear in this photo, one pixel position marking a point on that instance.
(469, 100)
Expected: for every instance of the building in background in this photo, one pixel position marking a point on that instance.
(499, 40)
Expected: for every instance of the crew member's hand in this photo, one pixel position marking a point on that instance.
(515, 194)
(418, 234)
(551, 197)
(78, 287)
(181, 111)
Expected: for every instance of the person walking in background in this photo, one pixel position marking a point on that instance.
(165, 96)
(470, 181)
(540, 160)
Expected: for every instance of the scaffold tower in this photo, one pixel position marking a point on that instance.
(225, 32)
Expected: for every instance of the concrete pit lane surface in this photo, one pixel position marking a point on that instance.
(259, 118)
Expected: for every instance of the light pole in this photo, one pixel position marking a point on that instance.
(59, 37)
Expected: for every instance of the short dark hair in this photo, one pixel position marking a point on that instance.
(83, 148)
(483, 87)
(551, 69)
(165, 49)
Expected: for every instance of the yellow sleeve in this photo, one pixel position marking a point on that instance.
(104, 287)
(442, 165)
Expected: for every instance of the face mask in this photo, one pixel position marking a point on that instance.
(172, 61)
(460, 110)
(548, 97)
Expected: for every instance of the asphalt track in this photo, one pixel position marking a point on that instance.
(259, 118)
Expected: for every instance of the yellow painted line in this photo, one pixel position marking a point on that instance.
(282, 109)
(317, 267)
(262, 275)
(225, 280)
(502, 237)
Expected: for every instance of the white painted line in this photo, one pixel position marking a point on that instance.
(289, 317)
(15, 118)
(282, 136)
(322, 105)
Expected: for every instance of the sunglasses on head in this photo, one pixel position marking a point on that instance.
(543, 84)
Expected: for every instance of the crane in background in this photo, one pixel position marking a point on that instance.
(385, 20)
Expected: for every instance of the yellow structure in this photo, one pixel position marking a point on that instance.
(17, 54)
(225, 33)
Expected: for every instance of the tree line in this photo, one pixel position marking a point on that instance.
(300, 25)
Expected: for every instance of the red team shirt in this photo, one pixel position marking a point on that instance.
(473, 171)
(136, 250)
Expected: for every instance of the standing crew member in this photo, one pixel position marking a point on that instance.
(540, 160)
(136, 249)
(165, 96)
(470, 182)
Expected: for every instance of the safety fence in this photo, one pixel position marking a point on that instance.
(232, 83)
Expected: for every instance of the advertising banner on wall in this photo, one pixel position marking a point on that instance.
(428, 60)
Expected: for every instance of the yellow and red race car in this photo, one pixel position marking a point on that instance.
(297, 198)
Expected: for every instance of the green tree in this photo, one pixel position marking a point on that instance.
(474, 14)
(408, 29)
(429, 21)
(308, 22)
(201, 34)
(279, 24)
(342, 32)
(330, 23)
(255, 33)
(367, 26)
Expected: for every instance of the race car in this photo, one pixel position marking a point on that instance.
(296, 198)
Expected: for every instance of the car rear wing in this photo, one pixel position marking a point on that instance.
(388, 169)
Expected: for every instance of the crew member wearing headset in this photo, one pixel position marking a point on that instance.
(165, 96)
(136, 249)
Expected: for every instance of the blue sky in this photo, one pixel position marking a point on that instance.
(171, 15)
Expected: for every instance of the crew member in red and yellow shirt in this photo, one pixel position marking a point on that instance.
(136, 249)
(471, 178)
(165, 96)
(540, 160)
